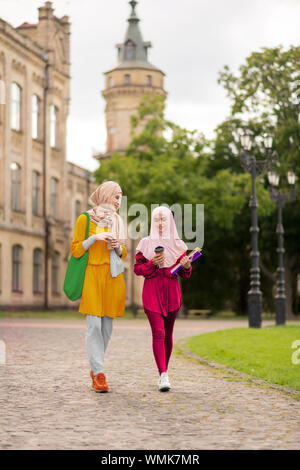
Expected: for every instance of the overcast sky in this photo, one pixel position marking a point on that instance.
(191, 42)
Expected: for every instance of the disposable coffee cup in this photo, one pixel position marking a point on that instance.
(157, 250)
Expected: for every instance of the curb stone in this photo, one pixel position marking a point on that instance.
(181, 348)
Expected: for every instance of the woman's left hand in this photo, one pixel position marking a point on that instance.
(185, 261)
(112, 244)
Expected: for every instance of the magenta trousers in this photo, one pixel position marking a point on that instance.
(162, 337)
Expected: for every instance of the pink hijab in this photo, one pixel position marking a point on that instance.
(169, 239)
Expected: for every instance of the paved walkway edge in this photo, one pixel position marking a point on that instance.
(182, 350)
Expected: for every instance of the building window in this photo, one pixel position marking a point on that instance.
(54, 197)
(77, 209)
(149, 80)
(16, 268)
(127, 79)
(2, 97)
(15, 185)
(36, 117)
(110, 139)
(15, 106)
(53, 126)
(0, 268)
(129, 50)
(110, 82)
(37, 270)
(2, 91)
(55, 273)
(36, 192)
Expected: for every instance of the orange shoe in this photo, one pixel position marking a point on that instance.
(99, 382)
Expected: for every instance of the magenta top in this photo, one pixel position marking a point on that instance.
(161, 290)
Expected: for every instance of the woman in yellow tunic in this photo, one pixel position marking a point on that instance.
(103, 293)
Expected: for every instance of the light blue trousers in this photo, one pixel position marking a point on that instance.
(98, 334)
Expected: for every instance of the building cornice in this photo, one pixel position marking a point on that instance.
(24, 230)
(22, 39)
(19, 42)
(132, 89)
(134, 65)
(80, 171)
(107, 155)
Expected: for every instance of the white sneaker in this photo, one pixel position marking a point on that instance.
(163, 382)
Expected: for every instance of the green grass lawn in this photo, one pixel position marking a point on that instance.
(47, 314)
(59, 315)
(75, 315)
(230, 315)
(265, 353)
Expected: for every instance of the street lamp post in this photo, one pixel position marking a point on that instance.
(254, 167)
(280, 199)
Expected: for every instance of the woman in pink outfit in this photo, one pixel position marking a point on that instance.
(161, 292)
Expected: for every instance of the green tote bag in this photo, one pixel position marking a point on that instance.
(76, 271)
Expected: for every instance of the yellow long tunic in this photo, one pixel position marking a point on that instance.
(101, 294)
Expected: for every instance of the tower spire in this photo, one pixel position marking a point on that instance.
(130, 79)
(133, 48)
(133, 15)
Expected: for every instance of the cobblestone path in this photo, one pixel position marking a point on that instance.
(46, 400)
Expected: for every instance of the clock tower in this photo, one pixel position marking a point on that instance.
(125, 84)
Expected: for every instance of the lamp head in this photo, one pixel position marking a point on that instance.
(268, 141)
(291, 177)
(273, 178)
(246, 140)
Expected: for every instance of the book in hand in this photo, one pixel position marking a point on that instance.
(193, 255)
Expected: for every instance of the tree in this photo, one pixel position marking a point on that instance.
(167, 164)
(155, 167)
(265, 97)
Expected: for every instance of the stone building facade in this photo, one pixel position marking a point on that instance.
(40, 192)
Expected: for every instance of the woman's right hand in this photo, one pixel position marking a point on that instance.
(103, 236)
(158, 259)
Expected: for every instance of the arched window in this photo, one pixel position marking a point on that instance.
(15, 109)
(54, 197)
(110, 81)
(55, 273)
(110, 139)
(77, 209)
(16, 268)
(2, 91)
(36, 117)
(37, 270)
(127, 79)
(129, 50)
(149, 80)
(0, 268)
(53, 126)
(36, 192)
(15, 170)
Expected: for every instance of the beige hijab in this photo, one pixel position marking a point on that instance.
(104, 213)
